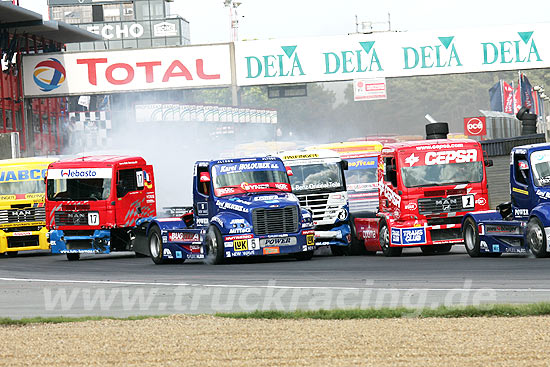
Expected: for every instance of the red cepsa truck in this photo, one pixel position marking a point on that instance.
(92, 203)
(425, 188)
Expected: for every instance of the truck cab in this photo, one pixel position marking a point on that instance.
(22, 210)
(522, 224)
(318, 180)
(425, 189)
(93, 202)
(241, 207)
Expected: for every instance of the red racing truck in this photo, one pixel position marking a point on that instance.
(425, 189)
(93, 203)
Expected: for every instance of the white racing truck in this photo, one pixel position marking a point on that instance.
(317, 179)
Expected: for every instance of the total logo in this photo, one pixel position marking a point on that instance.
(69, 173)
(49, 74)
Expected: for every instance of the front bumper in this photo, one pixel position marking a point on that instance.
(22, 240)
(97, 243)
(337, 236)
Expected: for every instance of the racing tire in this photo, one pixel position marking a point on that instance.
(428, 249)
(437, 130)
(356, 247)
(73, 257)
(443, 248)
(154, 240)
(384, 235)
(470, 234)
(304, 256)
(12, 253)
(536, 237)
(339, 250)
(214, 246)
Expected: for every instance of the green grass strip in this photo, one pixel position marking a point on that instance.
(486, 310)
(61, 319)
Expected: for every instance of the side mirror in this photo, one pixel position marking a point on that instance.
(204, 177)
(289, 171)
(345, 165)
(523, 165)
(488, 163)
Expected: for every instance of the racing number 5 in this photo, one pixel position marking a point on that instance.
(468, 201)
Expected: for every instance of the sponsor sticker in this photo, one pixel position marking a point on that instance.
(271, 250)
(183, 237)
(240, 245)
(278, 241)
(413, 236)
(310, 239)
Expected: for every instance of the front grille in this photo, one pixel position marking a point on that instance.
(275, 220)
(442, 221)
(446, 234)
(317, 203)
(78, 232)
(22, 215)
(438, 205)
(22, 241)
(70, 218)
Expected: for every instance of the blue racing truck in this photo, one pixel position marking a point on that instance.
(241, 207)
(524, 222)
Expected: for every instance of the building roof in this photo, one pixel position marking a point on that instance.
(21, 20)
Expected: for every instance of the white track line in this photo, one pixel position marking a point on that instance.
(109, 282)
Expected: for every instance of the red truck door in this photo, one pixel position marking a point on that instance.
(131, 198)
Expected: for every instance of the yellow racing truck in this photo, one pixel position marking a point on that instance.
(22, 210)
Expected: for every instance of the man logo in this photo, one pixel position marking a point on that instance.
(49, 74)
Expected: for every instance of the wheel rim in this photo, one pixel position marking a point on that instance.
(213, 245)
(384, 237)
(469, 237)
(536, 238)
(154, 245)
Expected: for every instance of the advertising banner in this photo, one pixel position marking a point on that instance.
(55, 74)
(392, 54)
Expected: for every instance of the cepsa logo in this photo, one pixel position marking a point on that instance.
(75, 173)
(450, 156)
(49, 74)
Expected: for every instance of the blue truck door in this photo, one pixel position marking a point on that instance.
(202, 191)
(522, 193)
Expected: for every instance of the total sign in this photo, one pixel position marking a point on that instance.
(128, 70)
(475, 126)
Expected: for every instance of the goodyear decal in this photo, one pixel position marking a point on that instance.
(22, 175)
(362, 163)
(524, 192)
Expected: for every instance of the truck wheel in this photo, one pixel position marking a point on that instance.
(387, 250)
(304, 256)
(536, 237)
(443, 248)
(73, 257)
(339, 250)
(214, 246)
(470, 233)
(11, 253)
(155, 245)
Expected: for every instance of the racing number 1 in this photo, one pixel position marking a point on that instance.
(468, 201)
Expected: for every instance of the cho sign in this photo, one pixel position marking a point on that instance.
(475, 126)
(128, 70)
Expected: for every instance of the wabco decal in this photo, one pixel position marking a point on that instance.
(22, 175)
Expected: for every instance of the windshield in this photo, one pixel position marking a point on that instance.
(442, 174)
(362, 174)
(540, 161)
(254, 176)
(22, 187)
(320, 176)
(79, 189)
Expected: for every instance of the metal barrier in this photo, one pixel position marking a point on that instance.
(498, 147)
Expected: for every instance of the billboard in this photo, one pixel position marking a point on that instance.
(55, 74)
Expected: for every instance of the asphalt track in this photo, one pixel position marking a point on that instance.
(40, 284)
